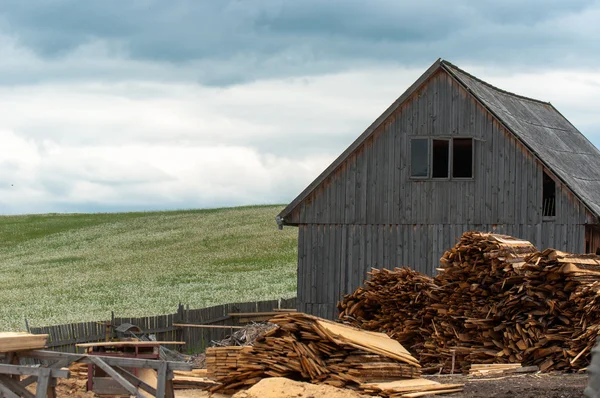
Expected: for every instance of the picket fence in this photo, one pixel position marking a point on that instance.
(65, 337)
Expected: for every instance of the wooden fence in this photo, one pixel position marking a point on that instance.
(65, 337)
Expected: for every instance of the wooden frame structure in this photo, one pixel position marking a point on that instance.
(115, 367)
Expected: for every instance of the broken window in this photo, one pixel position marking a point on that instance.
(419, 158)
(462, 158)
(440, 159)
(548, 196)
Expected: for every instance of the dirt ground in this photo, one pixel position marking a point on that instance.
(548, 385)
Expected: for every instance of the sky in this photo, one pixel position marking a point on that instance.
(152, 105)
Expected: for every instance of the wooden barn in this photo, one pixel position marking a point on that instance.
(452, 154)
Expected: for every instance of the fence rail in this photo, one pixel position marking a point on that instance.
(65, 337)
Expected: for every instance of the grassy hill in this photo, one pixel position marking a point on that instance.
(78, 267)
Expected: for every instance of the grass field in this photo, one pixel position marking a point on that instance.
(79, 267)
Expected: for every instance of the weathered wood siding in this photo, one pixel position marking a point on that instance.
(373, 186)
(370, 213)
(333, 259)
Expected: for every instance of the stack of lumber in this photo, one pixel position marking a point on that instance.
(493, 368)
(304, 347)
(410, 388)
(195, 379)
(222, 361)
(17, 341)
(495, 300)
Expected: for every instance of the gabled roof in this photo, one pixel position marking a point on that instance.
(538, 125)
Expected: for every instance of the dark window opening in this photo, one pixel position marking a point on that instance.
(587, 246)
(419, 158)
(598, 251)
(462, 158)
(440, 158)
(548, 197)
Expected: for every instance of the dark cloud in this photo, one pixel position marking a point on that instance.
(233, 41)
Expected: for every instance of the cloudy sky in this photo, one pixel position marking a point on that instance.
(137, 105)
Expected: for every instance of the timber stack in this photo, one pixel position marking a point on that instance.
(308, 348)
(495, 300)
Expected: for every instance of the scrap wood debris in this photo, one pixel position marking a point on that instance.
(308, 348)
(496, 300)
(245, 336)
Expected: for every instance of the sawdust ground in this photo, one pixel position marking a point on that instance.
(279, 387)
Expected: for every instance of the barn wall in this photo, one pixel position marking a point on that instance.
(333, 259)
(370, 213)
(373, 186)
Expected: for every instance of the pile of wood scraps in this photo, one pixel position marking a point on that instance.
(304, 347)
(496, 300)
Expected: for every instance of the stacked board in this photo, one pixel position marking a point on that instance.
(223, 361)
(308, 348)
(496, 300)
(17, 341)
(410, 388)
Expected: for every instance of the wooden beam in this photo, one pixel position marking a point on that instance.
(30, 370)
(112, 361)
(115, 375)
(161, 382)
(135, 381)
(190, 325)
(16, 386)
(63, 363)
(256, 314)
(7, 392)
(43, 383)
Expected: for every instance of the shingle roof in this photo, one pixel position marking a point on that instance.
(548, 134)
(537, 124)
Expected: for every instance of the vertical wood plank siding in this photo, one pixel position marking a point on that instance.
(370, 213)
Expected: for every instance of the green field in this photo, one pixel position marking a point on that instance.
(61, 268)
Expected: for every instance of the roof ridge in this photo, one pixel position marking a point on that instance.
(451, 65)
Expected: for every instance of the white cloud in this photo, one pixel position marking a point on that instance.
(152, 143)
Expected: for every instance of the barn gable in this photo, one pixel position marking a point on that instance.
(361, 187)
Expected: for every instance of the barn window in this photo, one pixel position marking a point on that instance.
(548, 196)
(419, 158)
(462, 158)
(440, 159)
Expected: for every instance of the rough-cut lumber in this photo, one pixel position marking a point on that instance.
(496, 300)
(408, 388)
(130, 344)
(17, 341)
(304, 347)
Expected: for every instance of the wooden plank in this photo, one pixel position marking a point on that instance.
(189, 325)
(29, 370)
(130, 344)
(112, 361)
(18, 341)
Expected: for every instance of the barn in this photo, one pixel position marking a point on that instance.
(451, 154)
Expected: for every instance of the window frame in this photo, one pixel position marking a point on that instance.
(430, 177)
